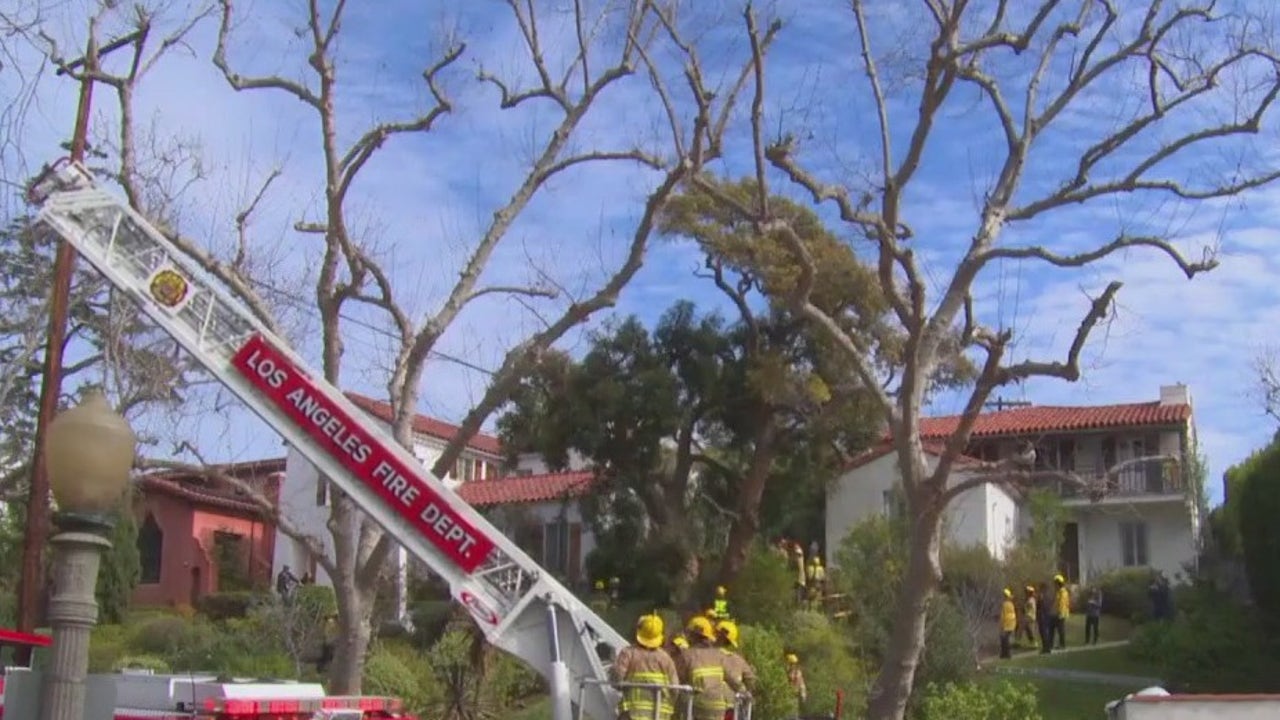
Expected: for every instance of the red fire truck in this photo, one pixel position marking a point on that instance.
(147, 696)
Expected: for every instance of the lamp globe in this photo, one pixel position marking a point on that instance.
(89, 452)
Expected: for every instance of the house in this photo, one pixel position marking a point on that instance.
(1130, 501)
(199, 535)
(536, 508)
(540, 512)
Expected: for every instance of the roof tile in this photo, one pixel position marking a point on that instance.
(1049, 418)
(151, 484)
(426, 425)
(520, 489)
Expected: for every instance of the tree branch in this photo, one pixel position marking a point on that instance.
(241, 82)
(1069, 370)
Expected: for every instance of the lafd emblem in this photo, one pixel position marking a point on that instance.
(169, 288)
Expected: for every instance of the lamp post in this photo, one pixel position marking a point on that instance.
(90, 453)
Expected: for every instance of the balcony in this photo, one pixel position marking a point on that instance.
(1157, 477)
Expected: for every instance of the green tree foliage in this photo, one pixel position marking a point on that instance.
(661, 416)
(1257, 510)
(772, 697)
(121, 567)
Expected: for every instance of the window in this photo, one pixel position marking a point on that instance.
(1133, 544)
(150, 550)
(561, 546)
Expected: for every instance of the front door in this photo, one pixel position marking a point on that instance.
(1069, 552)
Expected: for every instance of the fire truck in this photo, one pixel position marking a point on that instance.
(143, 695)
(520, 607)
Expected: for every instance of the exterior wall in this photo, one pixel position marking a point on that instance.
(187, 566)
(1171, 541)
(533, 464)
(985, 515)
(178, 552)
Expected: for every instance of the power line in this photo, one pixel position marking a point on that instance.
(310, 309)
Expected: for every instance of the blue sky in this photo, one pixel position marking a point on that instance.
(425, 199)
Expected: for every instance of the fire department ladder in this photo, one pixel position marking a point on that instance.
(519, 606)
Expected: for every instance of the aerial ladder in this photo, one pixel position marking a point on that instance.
(520, 608)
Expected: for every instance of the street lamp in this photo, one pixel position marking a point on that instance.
(90, 453)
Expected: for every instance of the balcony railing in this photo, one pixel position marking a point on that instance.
(1156, 476)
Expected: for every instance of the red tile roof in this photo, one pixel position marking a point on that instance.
(213, 492)
(1047, 419)
(520, 489)
(884, 447)
(152, 484)
(425, 425)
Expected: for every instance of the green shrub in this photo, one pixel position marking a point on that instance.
(1124, 593)
(430, 619)
(828, 661)
(773, 697)
(164, 634)
(395, 668)
(1212, 646)
(225, 605)
(1259, 505)
(949, 654)
(763, 595)
(140, 662)
(997, 701)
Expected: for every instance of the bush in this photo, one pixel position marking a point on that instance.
(763, 594)
(773, 697)
(997, 701)
(828, 661)
(226, 605)
(140, 662)
(1259, 505)
(1213, 646)
(1124, 593)
(395, 668)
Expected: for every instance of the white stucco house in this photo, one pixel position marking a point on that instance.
(1144, 510)
(537, 509)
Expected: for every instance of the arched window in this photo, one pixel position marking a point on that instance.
(150, 550)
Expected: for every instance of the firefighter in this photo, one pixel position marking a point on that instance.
(615, 591)
(795, 677)
(727, 634)
(1008, 624)
(599, 597)
(721, 605)
(703, 666)
(645, 662)
(1061, 611)
(797, 560)
(1029, 611)
(816, 578)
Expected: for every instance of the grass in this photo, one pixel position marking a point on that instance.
(538, 710)
(1114, 660)
(1062, 700)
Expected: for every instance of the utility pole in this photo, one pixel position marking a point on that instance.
(1000, 403)
(36, 532)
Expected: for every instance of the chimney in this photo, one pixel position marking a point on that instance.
(1177, 394)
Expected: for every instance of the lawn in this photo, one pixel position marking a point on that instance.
(1062, 700)
(1114, 660)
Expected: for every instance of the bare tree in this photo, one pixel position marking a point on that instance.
(613, 42)
(1206, 80)
(1268, 382)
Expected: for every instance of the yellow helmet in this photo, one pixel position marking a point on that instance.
(1031, 590)
(650, 631)
(728, 630)
(1008, 593)
(680, 642)
(792, 659)
(701, 627)
(720, 591)
(710, 613)
(599, 584)
(1059, 579)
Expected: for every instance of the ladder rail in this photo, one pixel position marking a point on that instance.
(505, 590)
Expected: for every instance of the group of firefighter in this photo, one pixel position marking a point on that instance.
(810, 577)
(1044, 617)
(704, 657)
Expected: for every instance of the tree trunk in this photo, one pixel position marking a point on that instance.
(747, 524)
(892, 689)
(355, 609)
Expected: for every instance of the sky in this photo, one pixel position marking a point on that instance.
(425, 199)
